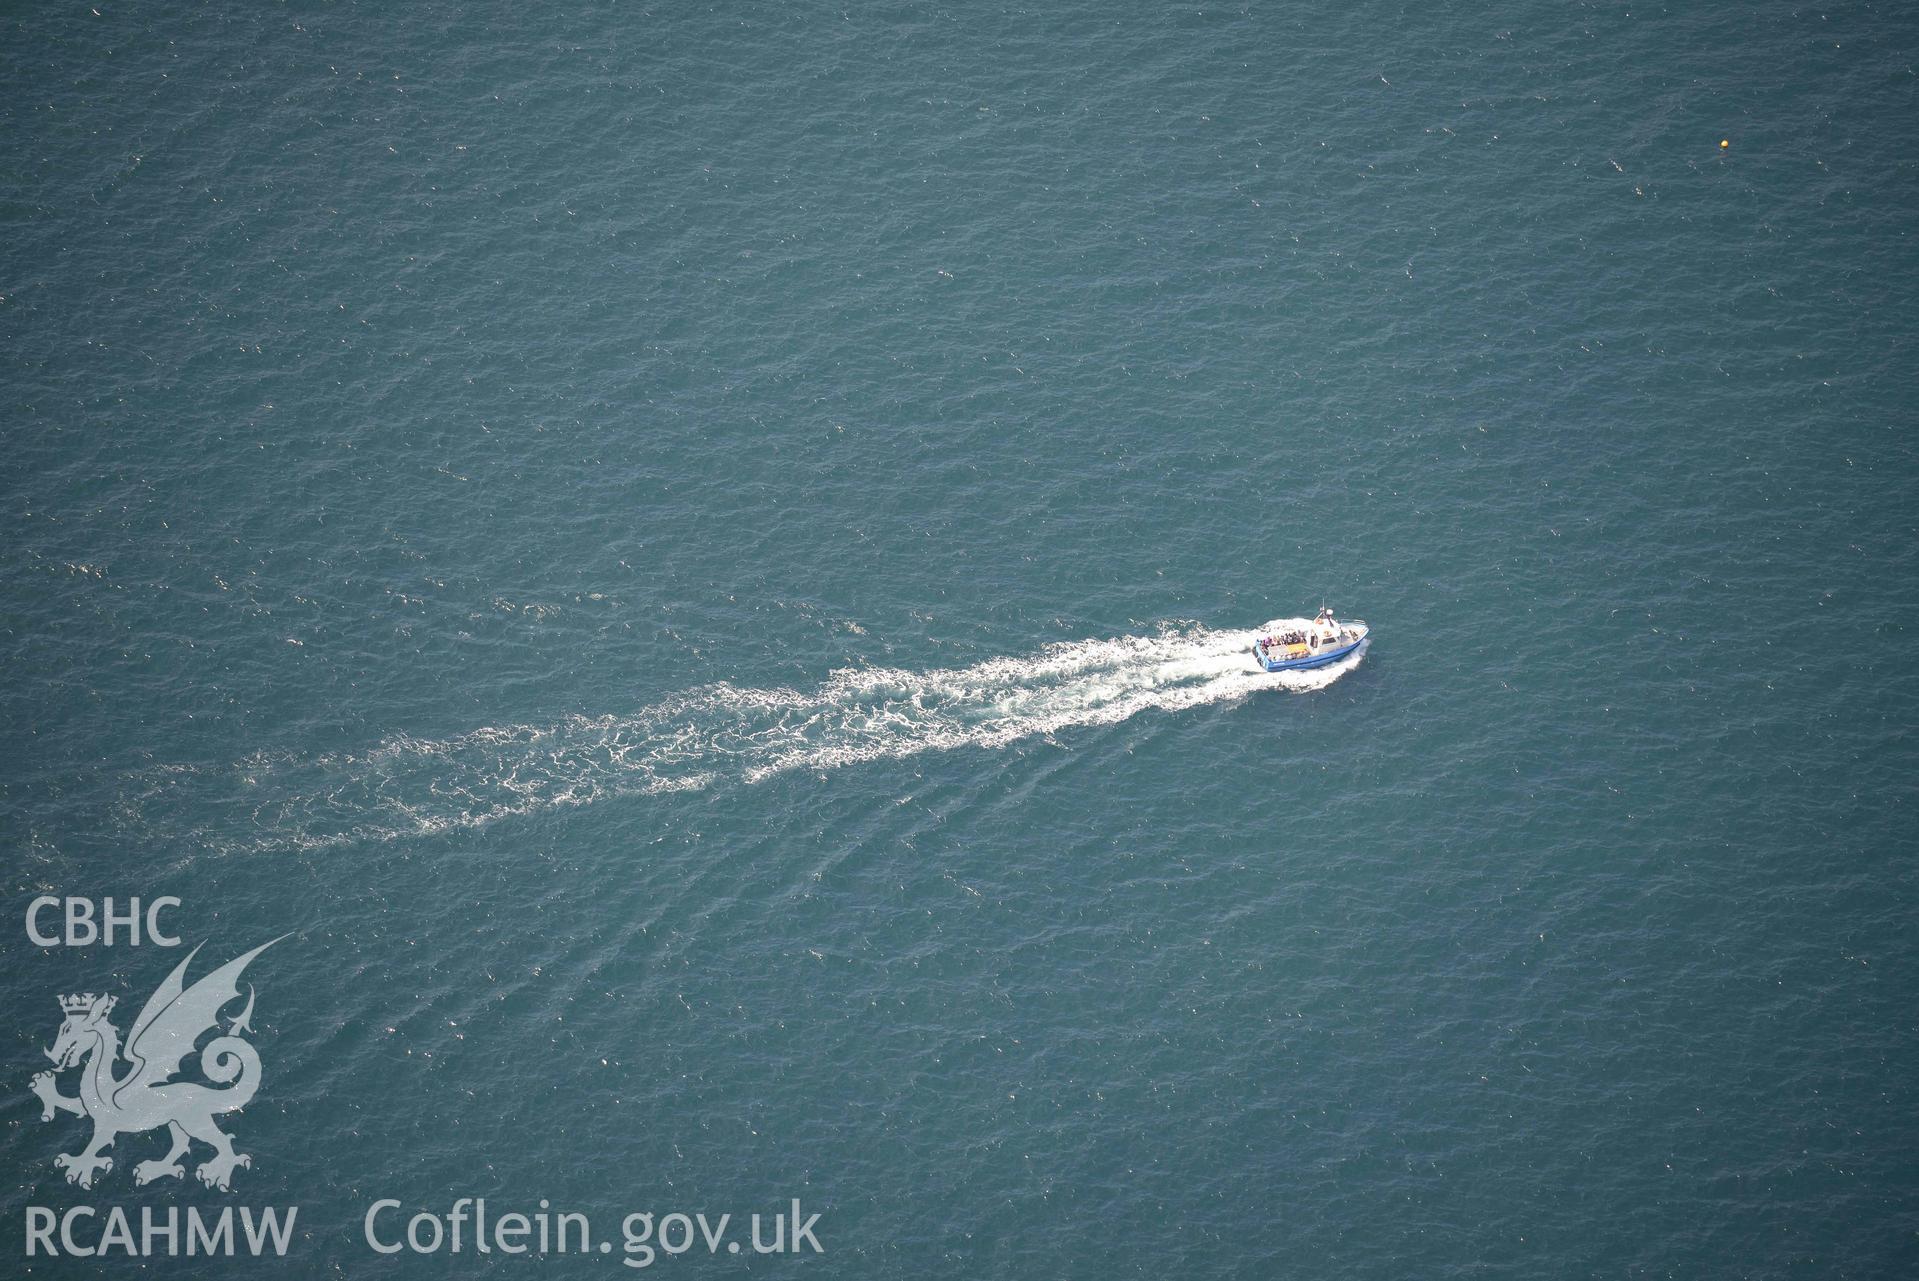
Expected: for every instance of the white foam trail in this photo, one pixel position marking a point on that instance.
(410, 787)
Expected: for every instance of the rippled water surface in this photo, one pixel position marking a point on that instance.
(700, 560)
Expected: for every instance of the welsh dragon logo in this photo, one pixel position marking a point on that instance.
(146, 1096)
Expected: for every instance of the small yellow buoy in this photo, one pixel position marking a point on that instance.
(1724, 143)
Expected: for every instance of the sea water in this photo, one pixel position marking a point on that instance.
(698, 562)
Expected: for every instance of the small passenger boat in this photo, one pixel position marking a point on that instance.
(1293, 644)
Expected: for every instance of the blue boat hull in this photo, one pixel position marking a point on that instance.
(1320, 659)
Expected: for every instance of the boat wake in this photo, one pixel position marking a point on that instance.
(407, 786)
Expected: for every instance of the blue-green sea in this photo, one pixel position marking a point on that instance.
(697, 561)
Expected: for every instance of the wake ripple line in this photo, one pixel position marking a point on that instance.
(409, 787)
